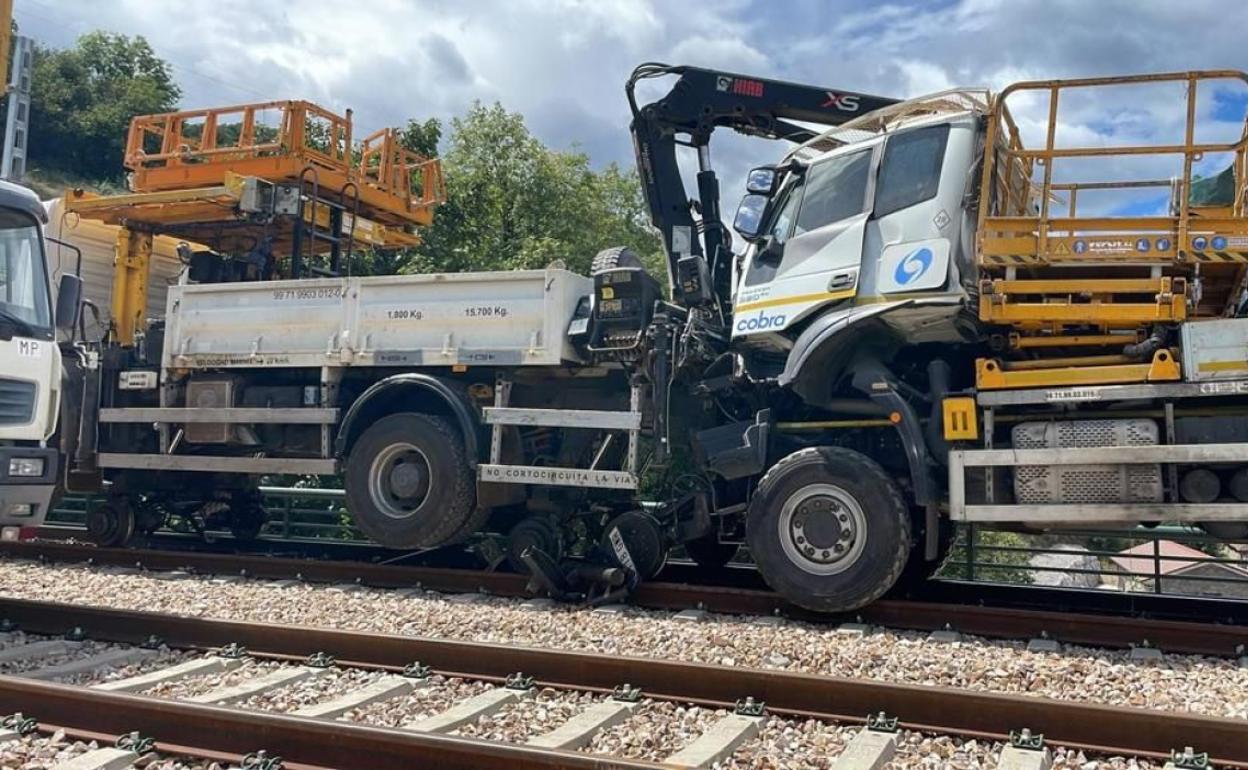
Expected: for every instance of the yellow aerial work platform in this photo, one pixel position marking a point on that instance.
(283, 176)
(1067, 291)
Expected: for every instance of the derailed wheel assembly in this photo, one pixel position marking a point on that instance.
(635, 542)
(110, 522)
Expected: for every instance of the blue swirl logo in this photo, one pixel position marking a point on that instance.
(913, 265)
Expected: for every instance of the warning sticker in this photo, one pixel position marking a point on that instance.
(1226, 242)
(1106, 245)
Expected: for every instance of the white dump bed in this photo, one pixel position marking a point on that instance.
(496, 318)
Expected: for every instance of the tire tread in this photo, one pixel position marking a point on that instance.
(875, 476)
(445, 528)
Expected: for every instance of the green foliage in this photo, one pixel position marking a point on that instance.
(514, 204)
(86, 96)
(422, 138)
(992, 565)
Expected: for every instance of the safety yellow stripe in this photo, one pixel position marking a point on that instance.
(1222, 366)
(825, 295)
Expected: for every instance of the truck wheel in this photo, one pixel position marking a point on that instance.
(828, 529)
(408, 483)
(110, 523)
(617, 256)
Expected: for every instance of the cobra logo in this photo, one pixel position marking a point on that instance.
(760, 321)
(913, 265)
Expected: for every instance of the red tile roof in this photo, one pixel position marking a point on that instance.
(1140, 559)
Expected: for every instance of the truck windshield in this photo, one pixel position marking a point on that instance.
(24, 299)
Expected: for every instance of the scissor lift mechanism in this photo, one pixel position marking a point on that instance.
(230, 178)
(1053, 281)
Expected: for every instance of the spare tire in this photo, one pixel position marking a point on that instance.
(616, 256)
(408, 482)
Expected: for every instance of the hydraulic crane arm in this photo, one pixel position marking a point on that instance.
(701, 101)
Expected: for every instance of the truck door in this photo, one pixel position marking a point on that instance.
(917, 212)
(814, 245)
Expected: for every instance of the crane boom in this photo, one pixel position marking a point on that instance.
(700, 101)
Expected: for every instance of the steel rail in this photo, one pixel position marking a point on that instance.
(996, 622)
(1089, 727)
(201, 730)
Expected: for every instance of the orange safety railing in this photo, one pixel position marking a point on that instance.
(193, 141)
(278, 142)
(385, 163)
(1017, 225)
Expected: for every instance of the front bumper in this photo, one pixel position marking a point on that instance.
(26, 500)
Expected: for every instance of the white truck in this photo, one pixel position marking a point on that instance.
(915, 335)
(30, 363)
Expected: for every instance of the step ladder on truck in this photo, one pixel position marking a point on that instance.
(914, 336)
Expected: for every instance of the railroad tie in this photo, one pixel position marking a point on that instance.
(1015, 758)
(44, 649)
(484, 704)
(869, 750)
(580, 729)
(382, 689)
(100, 759)
(718, 742)
(119, 657)
(262, 684)
(197, 667)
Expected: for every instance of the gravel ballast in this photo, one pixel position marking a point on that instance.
(438, 696)
(1188, 683)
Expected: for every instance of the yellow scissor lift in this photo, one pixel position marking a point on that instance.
(1068, 295)
(286, 174)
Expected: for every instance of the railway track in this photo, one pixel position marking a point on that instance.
(222, 719)
(1005, 622)
(1153, 606)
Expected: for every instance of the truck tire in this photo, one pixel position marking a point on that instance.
(408, 482)
(828, 529)
(616, 256)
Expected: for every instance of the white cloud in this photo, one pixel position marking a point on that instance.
(563, 63)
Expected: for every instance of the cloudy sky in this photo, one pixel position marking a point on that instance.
(562, 63)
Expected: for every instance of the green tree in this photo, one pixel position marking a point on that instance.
(85, 96)
(514, 204)
(422, 138)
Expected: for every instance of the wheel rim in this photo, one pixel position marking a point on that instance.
(822, 529)
(399, 480)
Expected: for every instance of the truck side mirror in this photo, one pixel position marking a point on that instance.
(762, 180)
(749, 219)
(68, 303)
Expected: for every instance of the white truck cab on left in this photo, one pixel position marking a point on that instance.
(30, 363)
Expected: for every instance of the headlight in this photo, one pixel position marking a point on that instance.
(26, 466)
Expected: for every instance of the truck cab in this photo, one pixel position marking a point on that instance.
(863, 219)
(30, 364)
